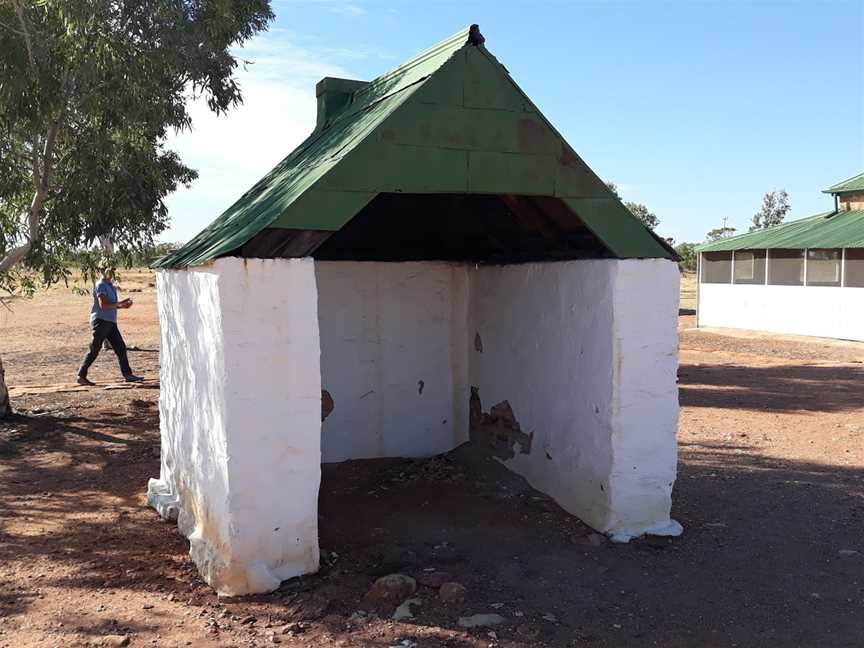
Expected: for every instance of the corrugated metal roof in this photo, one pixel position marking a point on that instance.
(320, 152)
(844, 229)
(852, 184)
(450, 120)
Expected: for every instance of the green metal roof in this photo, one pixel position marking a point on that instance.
(852, 184)
(450, 120)
(844, 229)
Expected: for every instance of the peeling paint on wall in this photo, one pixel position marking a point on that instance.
(498, 431)
(326, 404)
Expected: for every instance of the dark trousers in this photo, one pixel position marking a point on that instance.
(105, 330)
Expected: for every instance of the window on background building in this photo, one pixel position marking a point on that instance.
(750, 267)
(717, 267)
(823, 267)
(854, 267)
(786, 268)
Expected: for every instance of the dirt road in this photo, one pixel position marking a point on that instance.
(770, 491)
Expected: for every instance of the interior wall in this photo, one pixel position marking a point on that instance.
(565, 371)
(393, 357)
(822, 311)
(585, 355)
(541, 340)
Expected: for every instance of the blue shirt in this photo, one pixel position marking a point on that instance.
(107, 289)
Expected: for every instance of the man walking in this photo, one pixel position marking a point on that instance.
(103, 321)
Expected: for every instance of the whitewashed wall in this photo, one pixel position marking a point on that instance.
(241, 419)
(585, 352)
(645, 398)
(822, 311)
(387, 329)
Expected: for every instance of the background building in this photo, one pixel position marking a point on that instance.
(805, 277)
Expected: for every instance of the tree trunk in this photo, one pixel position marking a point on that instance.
(5, 407)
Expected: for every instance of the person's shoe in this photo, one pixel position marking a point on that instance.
(83, 380)
(133, 378)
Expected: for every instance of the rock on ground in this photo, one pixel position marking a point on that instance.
(391, 588)
(404, 611)
(452, 592)
(480, 620)
(112, 641)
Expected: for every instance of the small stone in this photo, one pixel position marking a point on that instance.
(551, 618)
(404, 611)
(113, 641)
(247, 620)
(391, 588)
(480, 620)
(452, 593)
(848, 553)
(497, 606)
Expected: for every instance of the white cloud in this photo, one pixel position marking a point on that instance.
(233, 151)
(347, 10)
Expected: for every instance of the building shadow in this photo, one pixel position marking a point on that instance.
(811, 388)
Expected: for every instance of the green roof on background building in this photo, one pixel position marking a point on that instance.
(850, 185)
(843, 229)
(450, 120)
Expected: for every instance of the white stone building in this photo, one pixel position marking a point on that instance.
(433, 266)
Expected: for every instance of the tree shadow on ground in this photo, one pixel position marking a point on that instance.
(810, 388)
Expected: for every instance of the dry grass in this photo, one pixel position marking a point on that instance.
(688, 291)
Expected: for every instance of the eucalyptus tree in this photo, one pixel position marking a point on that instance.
(639, 210)
(89, 91)
(775, 206)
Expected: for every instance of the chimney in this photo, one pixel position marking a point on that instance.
(333, 95)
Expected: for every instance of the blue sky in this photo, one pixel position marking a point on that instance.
(694, 108)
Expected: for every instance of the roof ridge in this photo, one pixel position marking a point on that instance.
(416, 60)
(837, 186)
(796, 228)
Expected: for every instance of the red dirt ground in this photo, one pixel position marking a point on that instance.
(770, 491)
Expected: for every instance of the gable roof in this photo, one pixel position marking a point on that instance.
(449, 120)
(843, 229)
(855, 183)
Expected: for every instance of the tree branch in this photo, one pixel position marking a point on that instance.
(12, 29)
(34, 164)
(48, 151)
(28, 40)
(14, 256)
